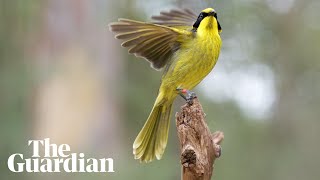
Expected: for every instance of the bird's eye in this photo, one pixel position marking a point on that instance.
(200, 16)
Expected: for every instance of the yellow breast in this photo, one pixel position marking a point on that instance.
(192, 63)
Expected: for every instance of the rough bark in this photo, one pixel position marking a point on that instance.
(198, 146)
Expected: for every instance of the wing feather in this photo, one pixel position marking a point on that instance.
(150, 44)
(156, 42)
(176, 17)
(132, 34)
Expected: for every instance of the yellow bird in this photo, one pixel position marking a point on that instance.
(187, 47)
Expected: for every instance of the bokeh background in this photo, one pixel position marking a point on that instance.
(64, 76)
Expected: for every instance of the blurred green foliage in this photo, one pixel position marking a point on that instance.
(19, 19)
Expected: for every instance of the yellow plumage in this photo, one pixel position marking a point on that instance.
(187, 52)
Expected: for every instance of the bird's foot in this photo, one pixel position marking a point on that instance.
(187, 95)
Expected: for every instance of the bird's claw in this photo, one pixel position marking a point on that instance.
(189, 95)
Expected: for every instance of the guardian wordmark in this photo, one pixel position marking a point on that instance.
(49, 157)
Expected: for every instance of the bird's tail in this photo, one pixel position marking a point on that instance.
(153, 137)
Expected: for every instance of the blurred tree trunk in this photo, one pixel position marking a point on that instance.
(76, 100)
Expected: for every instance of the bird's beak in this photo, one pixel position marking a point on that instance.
(212, 13)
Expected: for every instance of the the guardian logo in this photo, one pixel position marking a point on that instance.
(56, 159)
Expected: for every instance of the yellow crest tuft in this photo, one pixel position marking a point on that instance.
(208, 10)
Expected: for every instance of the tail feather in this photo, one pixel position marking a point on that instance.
(152, 139)
(145, 132)
(141, 145)
(163, 132)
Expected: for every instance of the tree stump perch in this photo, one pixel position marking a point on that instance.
(198, 146)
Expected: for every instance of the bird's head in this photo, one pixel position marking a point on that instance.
(207, 20)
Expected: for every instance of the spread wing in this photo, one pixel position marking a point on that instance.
(176, 17)
(154, 42)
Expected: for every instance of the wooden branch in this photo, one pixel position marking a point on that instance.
(199, 148)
